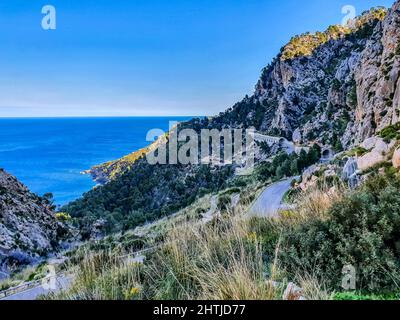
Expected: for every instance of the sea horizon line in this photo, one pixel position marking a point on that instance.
(103, 117)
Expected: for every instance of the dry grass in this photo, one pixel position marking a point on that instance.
(103, 276)
(313, 289)
(27, 274)
(314, 204)
(162, 226)
(221, 260)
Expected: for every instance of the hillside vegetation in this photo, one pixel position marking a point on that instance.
(305, 44)
(332, 102)
(29, 228)
(150, 192)
(236, 257)
(334, 89)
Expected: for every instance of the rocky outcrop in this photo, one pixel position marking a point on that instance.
(293, 293)
(379, 151)
(377, 78)
(350, 173)
(396, 159)
(335, 88)
(338, 87)
(28, 226)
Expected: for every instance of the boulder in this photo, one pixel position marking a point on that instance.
(349, 169)
(293, 292)
(379, 152)
(297, 138)
(396, 158)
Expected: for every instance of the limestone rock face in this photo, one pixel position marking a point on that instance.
(345, 90)
(297, 136)
(377, 78)
(336, 88)
(396, 159)
(337, 93)
(379, 152)
(349, 169)
(293, 292)
(28, 226)
(309, 178)
(350, 173)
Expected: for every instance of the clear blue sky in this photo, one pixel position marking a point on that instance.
(146, 57)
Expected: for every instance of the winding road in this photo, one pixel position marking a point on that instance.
(32, 294)
(267, 205)
(270, 201)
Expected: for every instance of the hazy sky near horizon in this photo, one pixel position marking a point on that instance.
(146, 57)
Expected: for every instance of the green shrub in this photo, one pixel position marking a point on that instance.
(284, 165)
(390, 132)
(360, 296)
(352, 95)
(357, 151)
(291, 195)
(224, 202)
(305, 44)
(63, 217)
(336, 84)
(231, 191)
(362, 230)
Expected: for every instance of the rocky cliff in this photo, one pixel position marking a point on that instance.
(28, 226)
(338, 87)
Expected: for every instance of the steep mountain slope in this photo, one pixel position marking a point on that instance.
(336, 88)
(339, 87)
(28, 226)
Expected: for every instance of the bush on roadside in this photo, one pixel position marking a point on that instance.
(362, 230)
(359, 296)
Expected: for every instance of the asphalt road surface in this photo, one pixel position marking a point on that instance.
(34, 293)
(270, 201)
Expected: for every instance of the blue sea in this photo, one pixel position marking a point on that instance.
(49, 154)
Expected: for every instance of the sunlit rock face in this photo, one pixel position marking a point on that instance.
(343, 89)
(28, 227)
(396, 159)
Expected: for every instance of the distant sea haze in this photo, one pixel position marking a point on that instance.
(49, 154)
